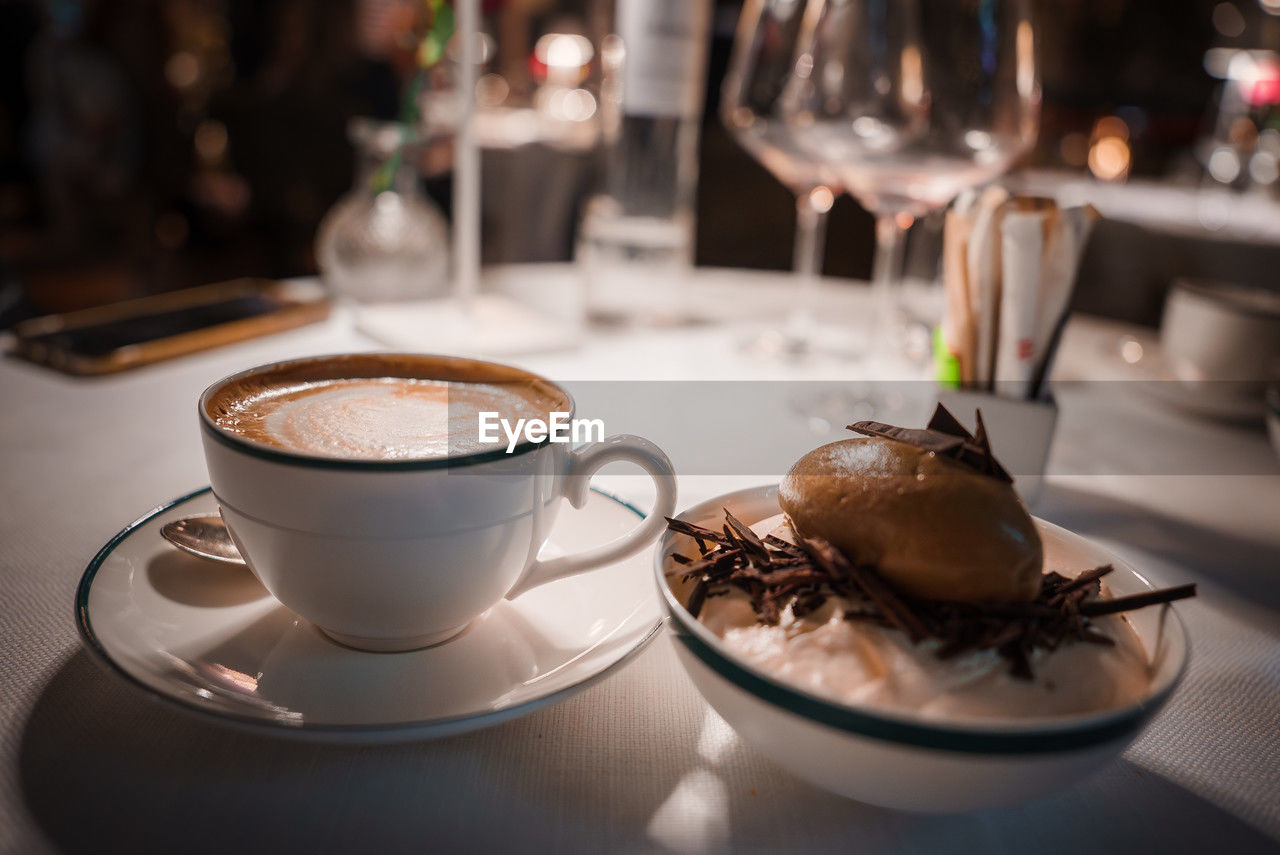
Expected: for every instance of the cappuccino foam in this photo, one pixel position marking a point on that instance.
(376, 418)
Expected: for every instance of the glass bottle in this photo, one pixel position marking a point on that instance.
(635, 242)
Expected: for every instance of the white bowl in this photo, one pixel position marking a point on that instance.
(895, 758)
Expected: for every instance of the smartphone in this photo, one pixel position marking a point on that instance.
(137, 332)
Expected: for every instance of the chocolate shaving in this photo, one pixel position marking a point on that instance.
(987, 461)
(929, 440)
(946, 437)
(802, 576)
(751, 544)
(943, 420)
(1137, 601)
(872, 586)
(697, 597)
(1084, 579)
(696, 532)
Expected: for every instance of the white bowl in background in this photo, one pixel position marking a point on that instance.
(1222, 338)
(898, 759)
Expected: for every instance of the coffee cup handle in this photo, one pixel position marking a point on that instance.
(583, 463)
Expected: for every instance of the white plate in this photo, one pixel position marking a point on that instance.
(210, 638)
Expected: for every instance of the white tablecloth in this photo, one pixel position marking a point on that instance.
(639, 762)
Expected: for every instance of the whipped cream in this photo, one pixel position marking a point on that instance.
(861, 663)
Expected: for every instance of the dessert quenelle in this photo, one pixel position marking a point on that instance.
(904, 573)
(925, 522)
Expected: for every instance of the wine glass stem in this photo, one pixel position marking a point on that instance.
(886, 282)
(811, 233)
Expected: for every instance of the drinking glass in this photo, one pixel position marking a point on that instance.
(760, 66)
(909, 102)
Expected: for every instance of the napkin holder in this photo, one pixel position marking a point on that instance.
(1021, 433)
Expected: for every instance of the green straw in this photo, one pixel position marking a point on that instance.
(946, 367)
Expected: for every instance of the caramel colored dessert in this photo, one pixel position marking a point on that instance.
(931, 526)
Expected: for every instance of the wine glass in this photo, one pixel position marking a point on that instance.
(760, 66)
(909, 102)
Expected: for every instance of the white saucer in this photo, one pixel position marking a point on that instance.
(209, 637)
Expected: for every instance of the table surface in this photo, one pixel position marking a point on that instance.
(638, 762)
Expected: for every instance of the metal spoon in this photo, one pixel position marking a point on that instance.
(205, 536)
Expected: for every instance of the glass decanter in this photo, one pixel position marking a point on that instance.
(384, 241)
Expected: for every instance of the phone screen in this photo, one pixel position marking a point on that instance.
(106, 338)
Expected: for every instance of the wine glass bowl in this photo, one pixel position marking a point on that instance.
(911, 102)
(760, 69)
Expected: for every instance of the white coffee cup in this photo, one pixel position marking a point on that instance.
(394, 555)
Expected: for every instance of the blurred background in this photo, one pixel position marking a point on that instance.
(148, 146)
